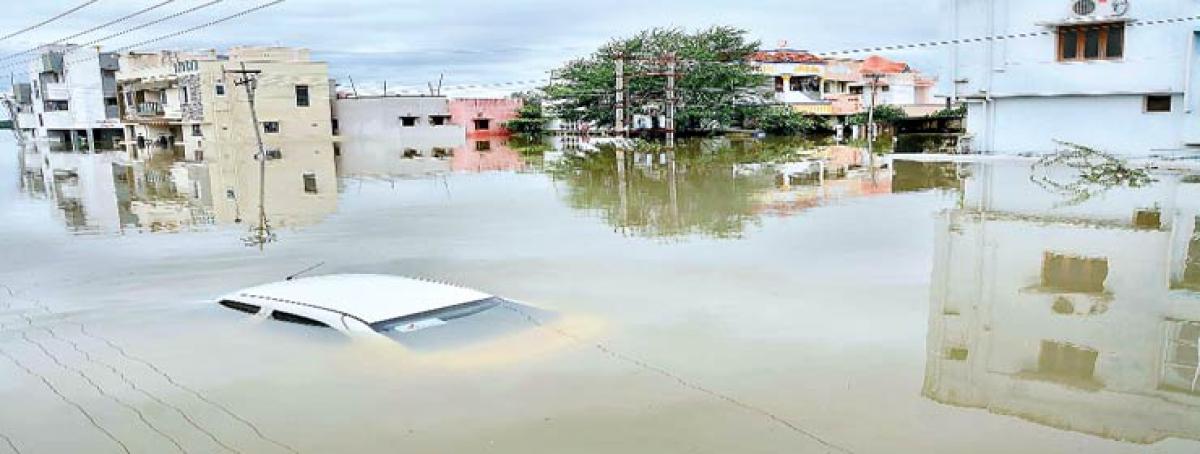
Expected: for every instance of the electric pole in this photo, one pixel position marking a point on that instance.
(248, 78)
(619, 119)
(874, 77)
(672, 67)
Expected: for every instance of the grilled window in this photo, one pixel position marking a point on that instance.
(1181, 371)
(271, 127)
(1091, 42)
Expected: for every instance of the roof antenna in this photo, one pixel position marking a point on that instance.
(305, 271)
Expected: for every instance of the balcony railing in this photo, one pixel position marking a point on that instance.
(150, 109)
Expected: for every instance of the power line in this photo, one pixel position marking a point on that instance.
(992, 38)
(132, 29)
(47, 21)
(90, 30)
(188, 30)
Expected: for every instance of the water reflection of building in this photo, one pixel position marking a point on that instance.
(105, 193)
(1081, 317)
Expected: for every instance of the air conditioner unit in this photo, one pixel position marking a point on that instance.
(1083, 7)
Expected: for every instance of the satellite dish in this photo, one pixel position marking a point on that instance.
(1120, 7)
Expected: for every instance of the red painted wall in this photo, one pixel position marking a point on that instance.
(497, 111)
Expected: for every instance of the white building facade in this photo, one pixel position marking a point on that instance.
(1101, 73)
(74, 99)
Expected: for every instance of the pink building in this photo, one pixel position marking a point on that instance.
(484, 117)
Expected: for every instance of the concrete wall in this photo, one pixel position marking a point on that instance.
(1117, 124)
(499, 111)
(1032, 98)
(378, 119)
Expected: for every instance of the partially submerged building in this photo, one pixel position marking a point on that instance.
(1108, 74)
(400, 126)
(838, 87)
(73, 99)
(191, 106)
(484, 117)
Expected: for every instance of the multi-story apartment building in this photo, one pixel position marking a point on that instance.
(191, 106)
(1081, 316)
(73, 99)
(1103, 73)
(839, 87)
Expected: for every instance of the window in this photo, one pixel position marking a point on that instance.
(1091, 42)
(483, 124)
(196, 132)
(410, 153)
(796, 84)
(408, 122)
(241, 307)
(778, 84)
(183, 95)
(1066, 362)
(483, 145)
(1069, 274)
(271, 127)
(1181, 370)
(220, 89)
(1148, 219)
(297, 319)
(439, 120)
(1158, 103)
(442, 153)
(310, 183)
(274, 153)
(302, 96)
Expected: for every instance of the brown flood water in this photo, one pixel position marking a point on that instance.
(704, 304)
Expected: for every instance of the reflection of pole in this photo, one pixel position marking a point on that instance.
(249, 80)
(672, 66)
(673, 186)
(623, 186)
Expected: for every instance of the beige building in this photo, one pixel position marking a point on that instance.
(189, 105)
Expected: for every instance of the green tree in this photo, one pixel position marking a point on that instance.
(884, 115)
(781, 120)
(530, 120)
(717, 87)
(952, 112)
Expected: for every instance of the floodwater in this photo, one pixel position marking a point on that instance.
(728, 298)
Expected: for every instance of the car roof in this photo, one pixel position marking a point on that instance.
(371, 298)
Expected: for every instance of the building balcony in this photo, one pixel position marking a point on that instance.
(149, 109)
(57, 92)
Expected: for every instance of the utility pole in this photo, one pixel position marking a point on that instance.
(871, 114)
(248, 78)
(672, 68)
(619, 118)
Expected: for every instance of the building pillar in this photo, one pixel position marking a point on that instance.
(91, 141)
(787, 83)
(73, 136)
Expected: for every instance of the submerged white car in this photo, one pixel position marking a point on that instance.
(391, 306)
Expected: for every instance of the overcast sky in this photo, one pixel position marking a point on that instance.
(473, 41)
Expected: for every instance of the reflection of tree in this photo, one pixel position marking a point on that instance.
(1097, 173)
(693, 192)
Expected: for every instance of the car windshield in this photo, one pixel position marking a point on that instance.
(464, 324)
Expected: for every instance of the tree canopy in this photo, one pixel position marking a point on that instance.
(718, 87)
